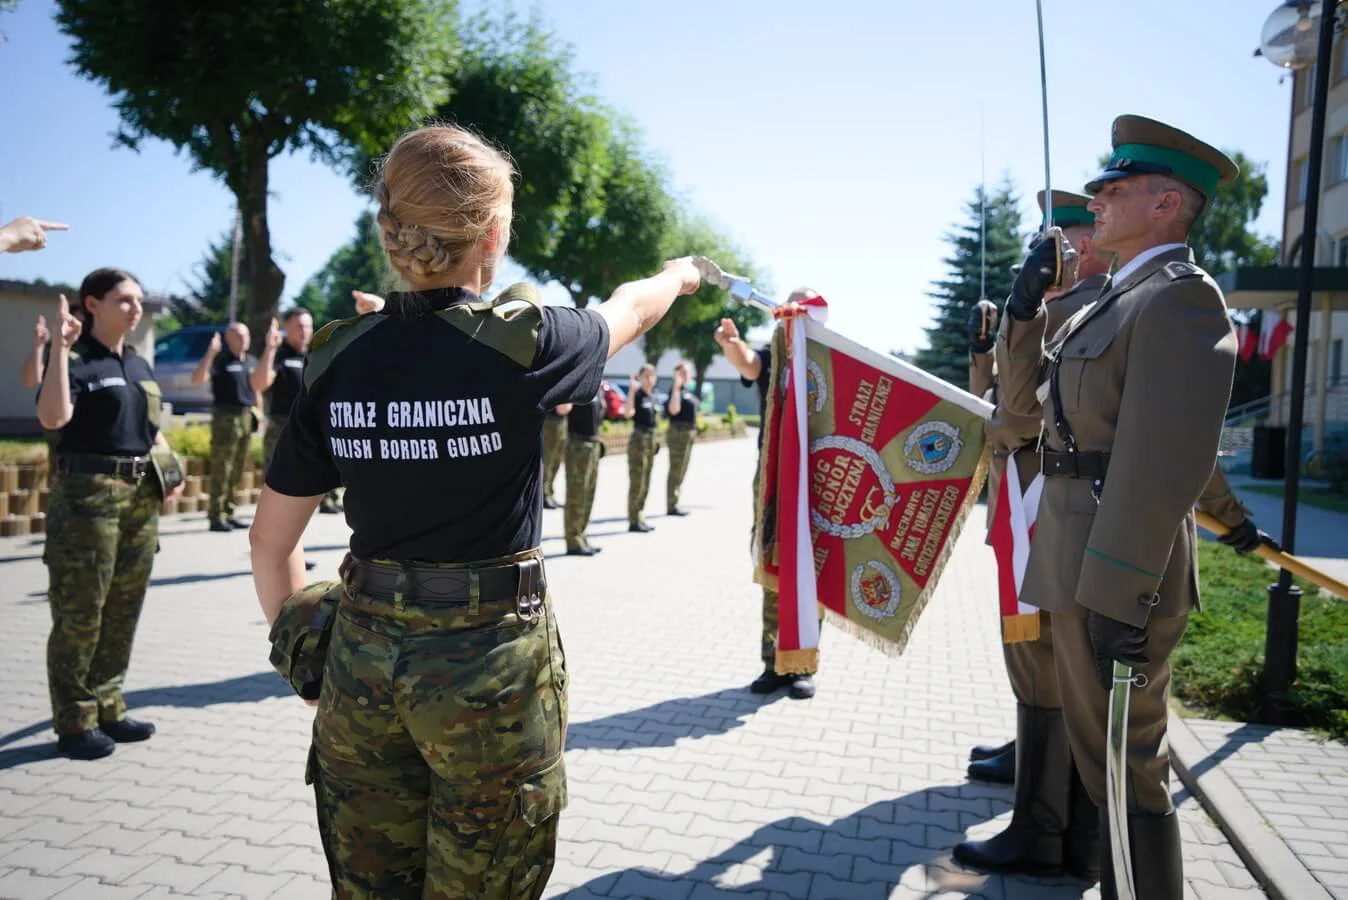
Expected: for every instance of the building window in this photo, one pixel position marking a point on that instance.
(1338, 159)
(1302, 171)
(1341, 251)
(1308, 85)
(1335, 362)
(1341, 70)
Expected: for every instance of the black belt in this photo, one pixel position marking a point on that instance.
(1080, 464)
(690, 426)
(132, 468)
(521, 581)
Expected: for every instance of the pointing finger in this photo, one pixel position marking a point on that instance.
(52, 226)
(64, 306)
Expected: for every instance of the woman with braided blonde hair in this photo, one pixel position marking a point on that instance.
(437, 750)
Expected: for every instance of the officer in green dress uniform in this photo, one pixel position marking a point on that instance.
(101, 400)
(437, 748)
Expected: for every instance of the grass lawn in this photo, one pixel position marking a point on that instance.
(1217, 666)
(1309, 495)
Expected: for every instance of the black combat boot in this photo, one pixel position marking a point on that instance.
(984, 751)
(85, 745)
(1081, 843)
(802, 687)
(770, 681)
(999, 769)
(1158, 859)
(127, 730)
(1033, 843)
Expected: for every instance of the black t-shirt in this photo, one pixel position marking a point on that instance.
(585, 418)
(229, 380)
(437, 437)
(109, 395)
(687, 414)
(289, 367)
(762, 382)
(643, 411)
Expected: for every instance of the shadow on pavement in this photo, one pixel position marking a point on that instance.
(194, 579)
(1245, 734)
(663, 723)
(781, 859)
(243, 689)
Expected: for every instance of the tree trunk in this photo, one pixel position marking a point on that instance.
(260, 274)
(579, 298)
(700, 375)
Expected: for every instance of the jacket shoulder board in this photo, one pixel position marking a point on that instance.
(509, 324)
(332, 339)
(1177, 270)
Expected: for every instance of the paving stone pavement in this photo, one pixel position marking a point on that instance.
(683, 785)
(1298, 783)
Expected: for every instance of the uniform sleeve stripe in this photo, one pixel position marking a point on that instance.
(1121, 564)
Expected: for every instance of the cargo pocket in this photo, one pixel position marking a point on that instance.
(154, 401)
(528, 849)
(557, 664)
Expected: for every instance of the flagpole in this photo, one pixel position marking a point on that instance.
(982, 208)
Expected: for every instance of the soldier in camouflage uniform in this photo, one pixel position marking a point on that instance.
(103, 513)
(234, 418)
(554, 448)
(682, 411)
(583, 452)
(437, 755)
(641, 446)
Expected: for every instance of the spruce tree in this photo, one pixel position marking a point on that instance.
(947, 352)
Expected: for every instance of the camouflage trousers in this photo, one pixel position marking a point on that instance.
(231, 432)
(582, 474)
(270, 438)
(102, 534)
(437, 757)
(769, 644)
(641, 448)
(554, 448)
(681, 438)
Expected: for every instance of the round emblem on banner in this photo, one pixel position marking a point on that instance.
(875, 590)
(816, 385)
(864, 494)
(933, 447)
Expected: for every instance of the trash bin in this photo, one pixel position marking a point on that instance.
(1267, 459)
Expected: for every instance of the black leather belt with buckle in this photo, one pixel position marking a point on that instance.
(131, 468)
(523, 581)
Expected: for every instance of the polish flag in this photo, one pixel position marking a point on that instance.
(1273, 333)
(1248, 335)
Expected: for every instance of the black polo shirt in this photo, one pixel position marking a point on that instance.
(229, 380)
(585, 418)
(108, 392)
(437, 437)
(762, 382)
(288, 364)
(687, 414)
(643, 411)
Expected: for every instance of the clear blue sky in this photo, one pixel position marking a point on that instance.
(835, 141)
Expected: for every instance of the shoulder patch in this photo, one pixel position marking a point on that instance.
(1177, 270)
(509, 324)
(332, 339)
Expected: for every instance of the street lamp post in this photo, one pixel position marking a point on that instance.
(1289, 41)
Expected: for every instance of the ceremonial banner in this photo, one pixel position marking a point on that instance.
(1012, 529)
(868, 471)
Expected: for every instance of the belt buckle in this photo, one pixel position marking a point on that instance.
(129, 469)
(528, 603)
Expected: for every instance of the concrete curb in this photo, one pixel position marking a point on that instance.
(1273, 864)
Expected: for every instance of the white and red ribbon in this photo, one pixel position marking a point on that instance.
(1012, 532)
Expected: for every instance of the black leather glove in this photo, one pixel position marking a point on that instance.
(1246, 536)
(982, 327)
(1113, 640)
(1036, 275)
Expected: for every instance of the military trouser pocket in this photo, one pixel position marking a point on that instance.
(528, 846)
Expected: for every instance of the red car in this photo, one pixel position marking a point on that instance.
(614, 398)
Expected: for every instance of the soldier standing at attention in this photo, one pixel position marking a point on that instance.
(437, 753)
(755, 368)
(554, 448)
(641, 446)
(1054, 823)
(682, 410)
(583, 451)
(103, 514)
(232, 419)
(1134, 391)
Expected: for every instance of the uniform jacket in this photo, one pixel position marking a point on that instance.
(1007, 431)
(1145, 375)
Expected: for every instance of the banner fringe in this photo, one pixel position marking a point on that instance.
(798, 662)
(1020, 628)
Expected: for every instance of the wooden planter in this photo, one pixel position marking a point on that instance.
(14, 526)
(9, 479)
(37, 524)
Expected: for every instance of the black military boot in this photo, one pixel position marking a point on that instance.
(984, 751)
(802, 687)
(1158, 859)
(999, 769)
(1081, 843)
(85, 745)
(127, 730)
(1033, 843)
(770, 681)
